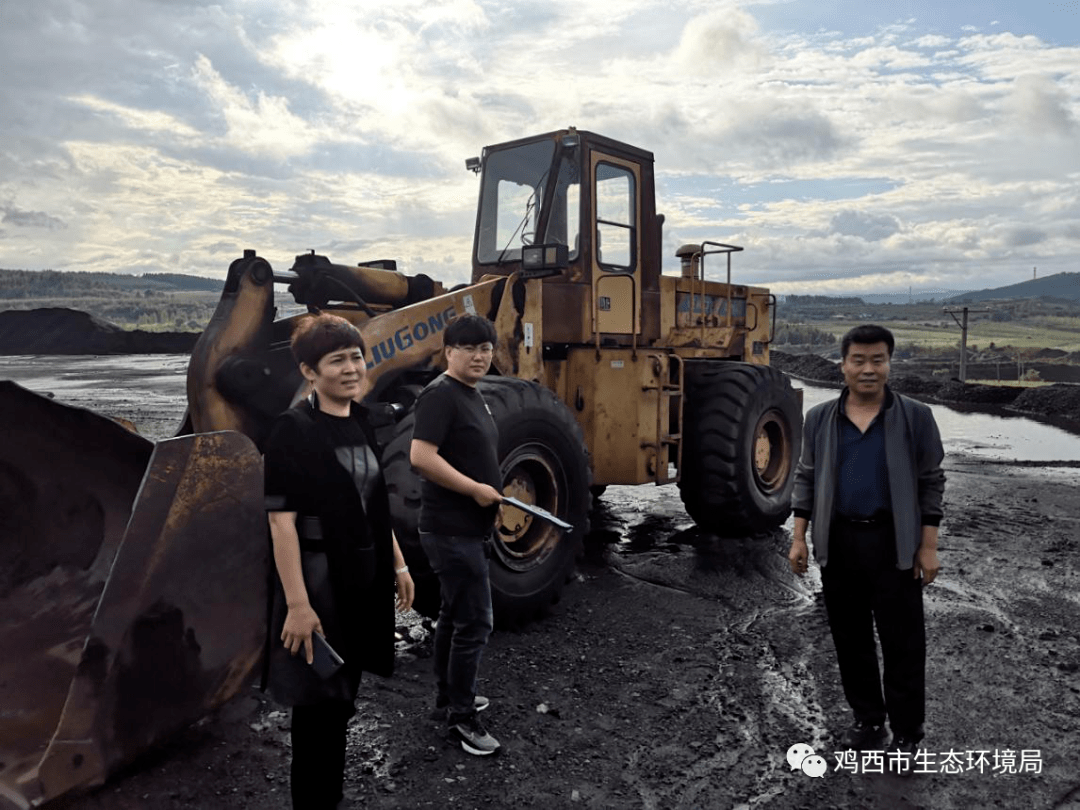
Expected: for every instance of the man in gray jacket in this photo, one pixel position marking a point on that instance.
(870, 482)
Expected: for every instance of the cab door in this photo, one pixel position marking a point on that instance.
(616, 254)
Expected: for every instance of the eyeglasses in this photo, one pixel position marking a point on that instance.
(483, 348)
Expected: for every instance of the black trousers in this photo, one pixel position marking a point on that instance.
(318, 754)
(863, 589)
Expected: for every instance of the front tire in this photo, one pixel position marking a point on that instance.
(743, 429)
(544, 461)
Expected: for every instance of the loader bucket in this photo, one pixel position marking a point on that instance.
(132, 589)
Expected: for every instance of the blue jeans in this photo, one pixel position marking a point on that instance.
(465, 617)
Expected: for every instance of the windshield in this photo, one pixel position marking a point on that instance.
(512, 198)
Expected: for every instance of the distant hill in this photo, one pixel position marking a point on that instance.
(1064, 286)
(897, 298)
(152, 301)
(914, 297)
(19, 284)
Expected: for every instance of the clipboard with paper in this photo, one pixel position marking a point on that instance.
(536, 511)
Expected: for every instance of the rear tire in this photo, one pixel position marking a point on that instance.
(544, 461)
(743, 429)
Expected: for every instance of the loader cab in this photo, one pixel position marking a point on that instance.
(578, 210)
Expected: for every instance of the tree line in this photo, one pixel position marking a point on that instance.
(25, 284)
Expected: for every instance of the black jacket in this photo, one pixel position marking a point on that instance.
(913, 455)
(348, 571)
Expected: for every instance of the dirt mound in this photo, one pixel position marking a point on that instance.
(1061, 400)
(956, 391)
(60, 330)
(915, 385)
(809, 367)
(1050, 353)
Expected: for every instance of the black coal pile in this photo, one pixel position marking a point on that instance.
(956, 391)
(1061, 400)
(809, 367)
(59, 330)
(915, 385)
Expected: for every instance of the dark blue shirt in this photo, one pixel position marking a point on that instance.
(862, 484)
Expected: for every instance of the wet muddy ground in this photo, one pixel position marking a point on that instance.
(679, 668)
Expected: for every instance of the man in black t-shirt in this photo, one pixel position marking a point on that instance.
(454, 448)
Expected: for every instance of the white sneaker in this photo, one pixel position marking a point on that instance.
(474, 738)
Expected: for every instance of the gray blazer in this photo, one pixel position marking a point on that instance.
(913, 455)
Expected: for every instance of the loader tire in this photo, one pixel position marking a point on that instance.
(544, 461)
(403, 489)
(743, 430)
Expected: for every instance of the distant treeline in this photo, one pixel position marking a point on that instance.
(823, 300)
(802, 334)
(20, 284)
(153, 301)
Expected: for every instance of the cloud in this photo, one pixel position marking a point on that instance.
(870, 227)
(179, 132)
(1023, 237)
(259, 123)
(31, 219)
(782, 137)
(719, 40)
(1042, 105)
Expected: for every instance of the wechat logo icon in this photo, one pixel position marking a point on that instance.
(801, 757)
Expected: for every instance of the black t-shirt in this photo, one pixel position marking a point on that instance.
(455, 418)
(297, 482)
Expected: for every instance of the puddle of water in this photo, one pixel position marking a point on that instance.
(148, 389)
(164, 374)
(985, 436)
(982, 435)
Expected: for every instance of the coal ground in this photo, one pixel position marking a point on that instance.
(679, 668)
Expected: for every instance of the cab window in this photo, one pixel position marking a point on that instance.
(615, 218)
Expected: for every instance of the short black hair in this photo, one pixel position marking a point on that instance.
(865, 334)
(315, 336)
(469, 330)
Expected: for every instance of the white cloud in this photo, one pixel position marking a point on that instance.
(718, 41)
(151, 122)
(260, 125)
(1042, 106)
(179, 132)
(870, 227)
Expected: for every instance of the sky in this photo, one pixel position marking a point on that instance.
(848, 147)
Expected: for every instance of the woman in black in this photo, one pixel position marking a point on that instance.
(334, 552)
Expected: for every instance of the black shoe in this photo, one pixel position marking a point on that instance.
(474, 738)
(863, 736)
(900, 756)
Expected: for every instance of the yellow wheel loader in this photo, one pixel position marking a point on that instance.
(133, 586)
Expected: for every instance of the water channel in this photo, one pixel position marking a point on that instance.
(158, 380)
(993, 437)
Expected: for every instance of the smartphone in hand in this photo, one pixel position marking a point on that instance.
(325, 660)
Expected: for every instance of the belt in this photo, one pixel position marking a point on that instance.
(873, 520)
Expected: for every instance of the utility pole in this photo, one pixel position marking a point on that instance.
(963, 336)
